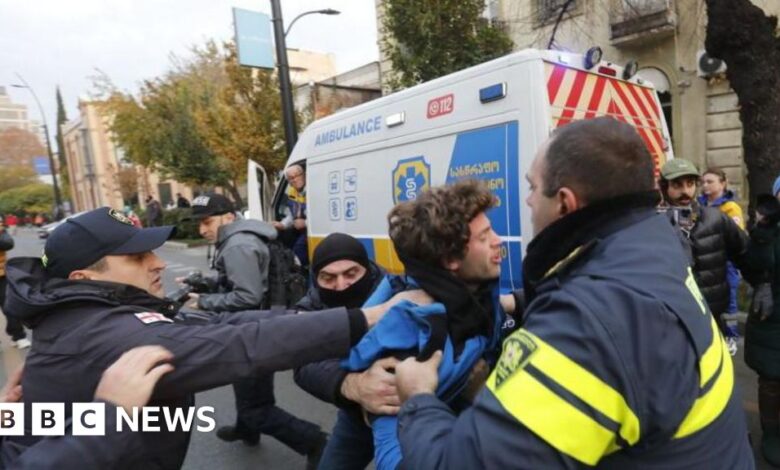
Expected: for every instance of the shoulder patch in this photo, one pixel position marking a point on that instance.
(518, 349)
(152, 317)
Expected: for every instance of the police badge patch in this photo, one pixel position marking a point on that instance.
(518, 349)
(116, 215)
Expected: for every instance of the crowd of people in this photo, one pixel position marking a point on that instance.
(617, 352)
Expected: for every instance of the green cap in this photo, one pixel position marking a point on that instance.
(678, 167)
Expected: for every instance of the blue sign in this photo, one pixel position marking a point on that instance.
(42, 165)
(253, 38)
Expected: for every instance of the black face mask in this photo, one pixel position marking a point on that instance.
(353, 296)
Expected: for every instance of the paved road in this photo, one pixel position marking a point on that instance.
(207, 452)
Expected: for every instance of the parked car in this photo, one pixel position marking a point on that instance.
(45, 230)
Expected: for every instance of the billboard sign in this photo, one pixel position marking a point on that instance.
(253, 38)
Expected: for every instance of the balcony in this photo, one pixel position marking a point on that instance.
(632, 21)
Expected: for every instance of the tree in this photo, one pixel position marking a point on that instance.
(201, 121)
(30, 199)
(429, 38)
(740, 34)
(18, 147)
(14, 176)
(244, 119)
(64, 177)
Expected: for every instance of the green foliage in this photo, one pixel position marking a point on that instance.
(202, 121)
(64, 178)
(14, 176)
(429, 38)
(185, 229)
(30, 199)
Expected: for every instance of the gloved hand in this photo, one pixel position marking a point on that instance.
(762, 304)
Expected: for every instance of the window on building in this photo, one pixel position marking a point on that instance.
(166, 196)
(548, 10)
(666, 106)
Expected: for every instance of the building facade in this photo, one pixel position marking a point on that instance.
(318, 99)
(99, 174)
(15, 115)
(666, 38)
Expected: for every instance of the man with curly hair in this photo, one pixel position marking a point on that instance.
(449, 249)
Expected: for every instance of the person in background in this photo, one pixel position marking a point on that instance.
(242, 263)
(11, 222)
(181, 201)
(133, 217)
(712, 239)
(13, 327)
(715, 193)
(293, 225)
(154, 211)
(762, 331)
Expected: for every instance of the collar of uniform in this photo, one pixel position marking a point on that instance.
(569, 239)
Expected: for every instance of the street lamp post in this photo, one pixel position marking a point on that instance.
(288, 108)
(57, 197)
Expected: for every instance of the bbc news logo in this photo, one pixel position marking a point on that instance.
(89, 419)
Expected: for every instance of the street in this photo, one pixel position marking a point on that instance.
(207, 452)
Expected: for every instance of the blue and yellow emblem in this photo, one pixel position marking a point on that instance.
(410, 177)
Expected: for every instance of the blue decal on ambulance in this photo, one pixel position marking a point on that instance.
(491, 154)
(410, 177)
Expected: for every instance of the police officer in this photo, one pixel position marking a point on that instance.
(97, 292)
(242, 260)
(127, 383)
(619, 363)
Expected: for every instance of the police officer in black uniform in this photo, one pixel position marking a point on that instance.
(97, 293)
(618, 363)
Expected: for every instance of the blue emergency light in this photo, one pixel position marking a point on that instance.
(492, 93)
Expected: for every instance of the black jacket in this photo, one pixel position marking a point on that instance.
(617, 364)
(323, 379)
(81, 327)
(714, 240)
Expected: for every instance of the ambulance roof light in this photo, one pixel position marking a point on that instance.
(492, 93)
(395, 119)
(593, 57)
(630, 69)
(604, 70)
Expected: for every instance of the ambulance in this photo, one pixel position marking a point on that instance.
(483, 122)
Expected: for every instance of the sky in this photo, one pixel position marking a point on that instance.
(55, 42)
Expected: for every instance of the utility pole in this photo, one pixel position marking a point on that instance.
(57, 197)
(288, 109)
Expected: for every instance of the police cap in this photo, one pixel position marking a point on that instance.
(81, 241)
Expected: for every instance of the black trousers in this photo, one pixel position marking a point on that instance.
(13, 327)
(257, 413)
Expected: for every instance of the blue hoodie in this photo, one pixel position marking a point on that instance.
(407, 327)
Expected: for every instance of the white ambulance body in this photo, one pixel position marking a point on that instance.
(484, 122)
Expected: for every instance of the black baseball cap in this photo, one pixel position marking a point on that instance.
(81, 241)
(211, 204)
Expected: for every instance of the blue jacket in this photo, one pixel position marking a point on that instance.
(618, 365)
(407, 327)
